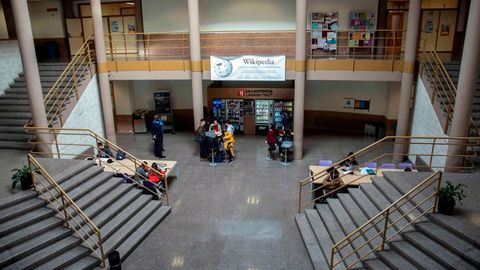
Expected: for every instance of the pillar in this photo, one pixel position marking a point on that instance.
(30, 70)
(102, 74)
(195, 61)
(299, 102)
(407, 76)
(466, 85)
(382, 21)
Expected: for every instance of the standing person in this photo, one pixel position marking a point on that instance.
(157, 132)
(271, 140)
(228, 144)
(230, 127)
(201, 139)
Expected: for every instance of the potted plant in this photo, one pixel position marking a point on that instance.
(447, 197)
(23, 176)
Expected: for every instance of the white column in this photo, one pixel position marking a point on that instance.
(299, 102)
(407, 76)
(30, 70)
(102, 74)
(195, 61)
(466, 84)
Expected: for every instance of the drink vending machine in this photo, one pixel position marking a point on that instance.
(235, 113)
(282, 108)
(263, 114)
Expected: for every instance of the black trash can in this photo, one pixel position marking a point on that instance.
(114, 260)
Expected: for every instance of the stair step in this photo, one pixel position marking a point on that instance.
(337, 235)
(375, 265)
(28, 232)
(92, 185)
(143, 231)
(25, 220)
(20, 208)
(81, 177)
(451, 241)
(395, 260)
(15, 145)
(13, 122)
(309, 239)
(14, 108)
(415, 256)
(24, 116)
(46, 254)
(18, 197)
(87, 262)
(26, 248)
(436, 251)
(62, 172)
(469, 233)
(348, 226)
(130, 226)
(65, 259)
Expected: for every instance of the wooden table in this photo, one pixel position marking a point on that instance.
(347, 178)
(128, 166)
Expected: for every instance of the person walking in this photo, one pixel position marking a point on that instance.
(271, 140)
(201, 139)
(157, 133)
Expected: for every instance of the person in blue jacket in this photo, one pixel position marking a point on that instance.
(157, 132)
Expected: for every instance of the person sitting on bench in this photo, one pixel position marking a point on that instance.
(332, 181)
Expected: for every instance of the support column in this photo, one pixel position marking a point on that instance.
(407, 76)
(30, 71)
(466, 85)
(299, 102)
(103, 82)
(195, 61)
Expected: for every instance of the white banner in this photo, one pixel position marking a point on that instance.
(247, 68)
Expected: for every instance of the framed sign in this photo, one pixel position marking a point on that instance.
(247, 68)
(349, 103)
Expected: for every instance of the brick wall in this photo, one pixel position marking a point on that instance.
(10, 63)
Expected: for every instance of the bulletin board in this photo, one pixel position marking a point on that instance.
(364, 24)
(324, 26)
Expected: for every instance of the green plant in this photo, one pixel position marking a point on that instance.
(450, 193)
(23, 176)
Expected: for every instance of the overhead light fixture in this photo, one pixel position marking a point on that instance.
(130, 3)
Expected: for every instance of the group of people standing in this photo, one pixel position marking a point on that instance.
(216, 139)
(278, 136)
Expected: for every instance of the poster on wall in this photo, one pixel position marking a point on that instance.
(115, 27)
(324, 26)
(363, 22)
(247, 68)
(445, 29)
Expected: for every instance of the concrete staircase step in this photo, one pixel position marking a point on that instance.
(18, 197)
(25, 220)
(28, 247)
(451, 241)
(336, 234)
(12, 122)
(14, 108)
(20, 208)
(15, 145)
(375, 265)
(395, 260)
(415, 256)
(65, 259)
(63, 170)
(316, 256)
(143, 231)
(82, 177)
(468, 233)
(436, 251)
(348, 226)
(85, 263)
(16, 115)
(46, 254)
(29, 232)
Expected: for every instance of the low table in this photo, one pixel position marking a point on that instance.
(128, 166)
(346, 177)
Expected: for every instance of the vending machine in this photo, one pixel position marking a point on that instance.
(282, 106)
(263, 114)
(163, 108)
(219, 109)
(235, 113)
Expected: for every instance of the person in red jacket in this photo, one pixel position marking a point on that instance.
(271, 140)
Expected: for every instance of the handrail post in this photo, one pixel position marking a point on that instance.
(98, 154)
(31, 171)
(331, 258)
(89, 59)
(385, 227)
(64, 209)
(102, 252)
(437, 191)
(75, 81)
(432, 152)
(299, 197)
(55, 136)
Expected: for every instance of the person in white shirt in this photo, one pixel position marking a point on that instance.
(230, 127)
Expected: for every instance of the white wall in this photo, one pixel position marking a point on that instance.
(425, 123)
(124, 97)
(10, 63)
(3, 25)
(46, 24)
(87, 113)
(234, 15)
(329, 96)
(181, 93)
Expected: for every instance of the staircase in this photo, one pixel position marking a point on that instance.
(32, 235)
(431, 243)
(453, 69)
(15, 106)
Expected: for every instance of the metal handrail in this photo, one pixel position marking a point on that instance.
(431, 147)
(434, 180)
(64, 206)
(72, 132)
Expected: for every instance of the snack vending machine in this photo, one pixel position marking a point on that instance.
(235, 112)
(219, 109)
(263, 114)
(280, 107)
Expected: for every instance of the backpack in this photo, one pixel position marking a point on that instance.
(120, 155)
